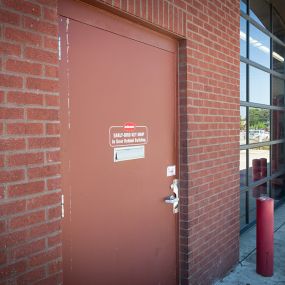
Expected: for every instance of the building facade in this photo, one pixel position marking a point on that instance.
(177, 65)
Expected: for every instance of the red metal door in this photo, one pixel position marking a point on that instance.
(117, 78)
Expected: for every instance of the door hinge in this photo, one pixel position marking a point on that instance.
(62, 206)
(59, 48)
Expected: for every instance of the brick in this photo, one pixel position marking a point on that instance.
(27, 220)
(53, 156)
(26, 189)
(51, 3)
(43, 201)
(20, 66)
(2, 194)
(25, 159)
(23, 6)
(11, 81)
(51, 71)
(43, 114)
(25, 129)
(12, 208)
(51, 43)
(52, 101)
(53, 129)
(45, 171)
(28, 249)
(9, 18)
(54, 184)
(11, 113)
(54, 279)
(13, 239)
(50, 14)
(24, 98)
(2, 163)
(37, 143)
(9, 49)
(42, 84)
(2, 97)
(12, 270)
(22, 36)
(3, 257)
(40, 26)
(12, 144)
(2, 227)
(55, 267)
(11, 176)
(41, 55)
(45, 229)
(45, 257)
(31, 276)
(54, 213)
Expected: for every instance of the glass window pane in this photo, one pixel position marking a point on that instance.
(259, 125)
(242, 132)
(260, 12)
(278, 157)
(278, 26)
(258, 163)
(242, 168)
(252, 205)
(277, 188)
(259, 46)
(242, 81)
(242, 209)
(259, 86)
(278, 91)
(243, 6)
(278, 55)
(242, 37)
(278, 124)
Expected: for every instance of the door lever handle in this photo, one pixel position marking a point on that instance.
(171, 199)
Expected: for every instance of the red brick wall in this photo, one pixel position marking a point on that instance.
(30, 247)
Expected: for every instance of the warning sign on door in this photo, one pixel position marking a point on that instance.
(128, 134)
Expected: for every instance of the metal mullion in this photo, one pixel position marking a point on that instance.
(262, 29)
(261, 67)
(255, 145)
(261, 106)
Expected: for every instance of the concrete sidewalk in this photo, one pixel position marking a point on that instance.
(245, 272)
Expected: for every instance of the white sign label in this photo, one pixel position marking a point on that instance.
(171, 170)
(128, 135)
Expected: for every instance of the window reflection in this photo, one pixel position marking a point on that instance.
(243, 37)
(277, 188)
(278, 121)
(258, 163)
(242, 133)
(278, 91)
(259, 86)
(259, 125)
(278, 26)
(260, 12)
(242, 168)
(242, 208)
(259, 46)
(242, 81)
(278, 157)
(243, 5)
(278, 55)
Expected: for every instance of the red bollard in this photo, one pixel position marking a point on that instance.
(264, 236)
